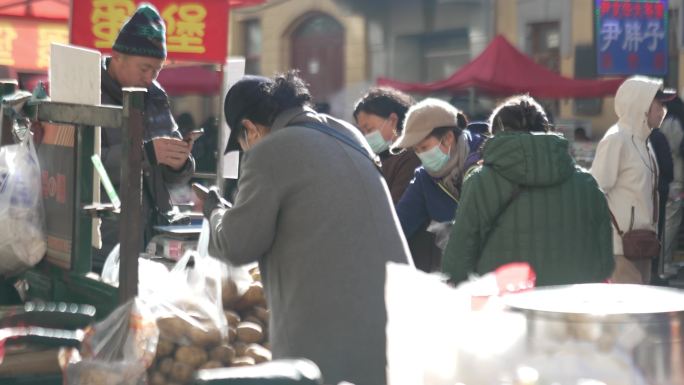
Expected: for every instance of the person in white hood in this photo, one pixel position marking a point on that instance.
(626, 170)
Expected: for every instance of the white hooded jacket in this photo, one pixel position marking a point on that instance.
(625, 164)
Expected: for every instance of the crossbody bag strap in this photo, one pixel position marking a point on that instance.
(612, 218)
(324, 128)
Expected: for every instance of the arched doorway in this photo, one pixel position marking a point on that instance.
(318, 52)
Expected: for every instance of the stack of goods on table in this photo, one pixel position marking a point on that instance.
(33, 334)
(190, 341)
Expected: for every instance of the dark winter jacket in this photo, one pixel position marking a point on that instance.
(398, 171)
(663, 155)
(530, 202)
(424, 200)
(156, 178)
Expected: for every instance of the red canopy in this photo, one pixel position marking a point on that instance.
(503, 70)
(36, 9)
(198, 80)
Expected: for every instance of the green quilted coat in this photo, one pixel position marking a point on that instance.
(530, 202)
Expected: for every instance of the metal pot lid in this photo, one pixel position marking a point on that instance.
(599, 299)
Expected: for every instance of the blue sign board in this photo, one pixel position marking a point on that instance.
(631, 37)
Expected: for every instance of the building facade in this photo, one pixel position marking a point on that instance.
(342, 46)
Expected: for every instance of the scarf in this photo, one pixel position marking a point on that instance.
(451, 175)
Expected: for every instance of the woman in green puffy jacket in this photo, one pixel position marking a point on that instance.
(530, 202)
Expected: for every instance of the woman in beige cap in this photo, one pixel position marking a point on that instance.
(436, 131)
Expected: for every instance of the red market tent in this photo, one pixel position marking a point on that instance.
(197, 80)
(503, 70)
(36, 9)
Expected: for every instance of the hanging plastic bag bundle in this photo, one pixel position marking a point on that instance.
(22, 219)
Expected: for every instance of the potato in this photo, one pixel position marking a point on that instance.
(232, 334)
(212, 365)
(253, 296)
(240, 348)
(172, 328)
(229, 292)
(165, 365)
(164, 348)
(243, 361)
(249, 332)
(223, 353)
(92, 375)
(232, 317)
(255, 273)
(181, 372)
(205, 338)
(253, 319)
(156, 378)
(259, 353)
(191, 355)
(262, 314)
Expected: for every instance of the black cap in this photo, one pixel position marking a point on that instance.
(665, 95)
(242, 96)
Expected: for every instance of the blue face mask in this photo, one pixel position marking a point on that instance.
(376, 142)
(433, 159)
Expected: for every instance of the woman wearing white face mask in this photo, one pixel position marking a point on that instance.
(379, 115)
(436, 131)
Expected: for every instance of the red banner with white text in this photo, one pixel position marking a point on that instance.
(195, 30)
(25, 44)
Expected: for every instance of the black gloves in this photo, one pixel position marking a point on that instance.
(213, 201)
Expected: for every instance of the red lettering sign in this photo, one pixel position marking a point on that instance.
(195, 30)
(605, 7)
(25, 44)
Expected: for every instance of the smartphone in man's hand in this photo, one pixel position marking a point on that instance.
(193, 135)
(202, 193)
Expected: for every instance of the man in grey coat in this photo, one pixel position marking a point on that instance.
(317, 215)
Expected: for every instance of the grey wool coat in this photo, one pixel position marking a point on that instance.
(318, 217)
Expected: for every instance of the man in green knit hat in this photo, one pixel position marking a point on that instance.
(138, 55)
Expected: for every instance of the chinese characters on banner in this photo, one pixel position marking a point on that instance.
(25, 44)
(195, 30)
(632, 37)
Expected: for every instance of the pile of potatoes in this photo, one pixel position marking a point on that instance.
(189, 343)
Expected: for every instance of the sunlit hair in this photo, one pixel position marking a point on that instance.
(383, 101)
(287, 90)
(519, 113)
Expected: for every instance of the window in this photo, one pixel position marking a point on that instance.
(543, 40)
(252, 47)
(444, 54)
(440, 55)
(544, 43)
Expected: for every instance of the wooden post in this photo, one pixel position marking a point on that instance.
(130, 228)
(7, 87)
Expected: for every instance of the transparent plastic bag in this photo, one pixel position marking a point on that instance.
(440, 335)
(118, 350)
(190, 319)
(22, 220)
(235, 280)
(152, 274)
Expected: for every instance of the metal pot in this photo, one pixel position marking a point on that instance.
(608, 333)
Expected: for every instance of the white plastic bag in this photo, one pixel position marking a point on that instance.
(22, 219)
(117, 350)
